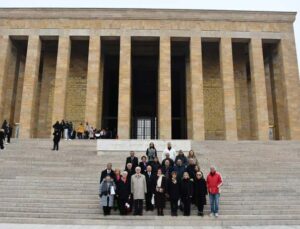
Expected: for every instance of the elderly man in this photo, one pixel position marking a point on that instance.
(214, 182)
(108, 171)
(138, 189)
(169, 150)
(133, 160)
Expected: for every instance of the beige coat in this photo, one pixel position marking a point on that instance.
(138, 186)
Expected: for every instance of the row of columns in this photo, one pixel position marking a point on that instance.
(195, 95)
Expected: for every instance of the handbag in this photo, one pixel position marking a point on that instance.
(152, 200)
(112, 190)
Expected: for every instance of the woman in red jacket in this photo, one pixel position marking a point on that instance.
(214, 182)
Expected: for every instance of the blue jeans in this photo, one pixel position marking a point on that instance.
(214, 203)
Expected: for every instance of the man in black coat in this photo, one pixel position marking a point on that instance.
(108, 171)
(133, 160)
(56, 139)
(2, 137)
(9, 132)
(150, 180)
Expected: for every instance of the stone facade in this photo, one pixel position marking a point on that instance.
(241, 70)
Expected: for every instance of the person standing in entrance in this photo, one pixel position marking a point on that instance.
(138, 189)
(169, 150)
(214, 182)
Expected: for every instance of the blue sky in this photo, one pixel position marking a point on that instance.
(271, 5)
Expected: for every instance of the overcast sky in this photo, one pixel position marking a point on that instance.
(272, 5)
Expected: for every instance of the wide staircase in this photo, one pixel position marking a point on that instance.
(41, 186)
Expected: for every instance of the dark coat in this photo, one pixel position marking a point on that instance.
(104, 174)
(150, 182)
(2, 135)
(155, 166)
(143, 167)
(186, 189)
(129, 175)
(169, 159)
(182, 158)
(200, 191)
(134, 162)
(123, 189)
(56, 136)
(160, 195)
(167, 172)
(191, 171)
(180, 170)
(174, 190)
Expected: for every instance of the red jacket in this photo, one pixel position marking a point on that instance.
(213, 182)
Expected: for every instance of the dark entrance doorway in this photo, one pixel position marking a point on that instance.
(110, 54)
(144, 70)
(179, 60)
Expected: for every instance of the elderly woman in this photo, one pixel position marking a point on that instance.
(151, 153)
(107, 190)
(123, 193)
(200, 192)
(160, 191)
(192, 155)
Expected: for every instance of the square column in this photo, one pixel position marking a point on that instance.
(259, 90)
(227, 75)
(290, 78)
(195, 94)
(124, 103)
(93, 104)
(164, 89)
(5, 45)
(61, 75)
(29, 93)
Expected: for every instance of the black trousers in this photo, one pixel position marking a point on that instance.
(55, 145)
(8, 138)
(174, 206)
(1, 144)
(122, 208)
(149, 205)
(138, 207)
(106, 210)
(200, 208)
(186, 206)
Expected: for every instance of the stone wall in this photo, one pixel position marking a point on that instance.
(76, 84)
(213, 93)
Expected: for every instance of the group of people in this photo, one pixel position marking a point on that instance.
(66, 130)
(5, 133)
(177, 178)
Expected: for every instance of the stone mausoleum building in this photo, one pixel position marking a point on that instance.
(151, 73)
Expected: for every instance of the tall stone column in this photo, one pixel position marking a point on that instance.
(290, 75)
(196, 91)
(124, 107)
(227, 75)
(61, 75)
(164, 89)
(259, 91)
(5, 45)
(29, 93)
(93, 104)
